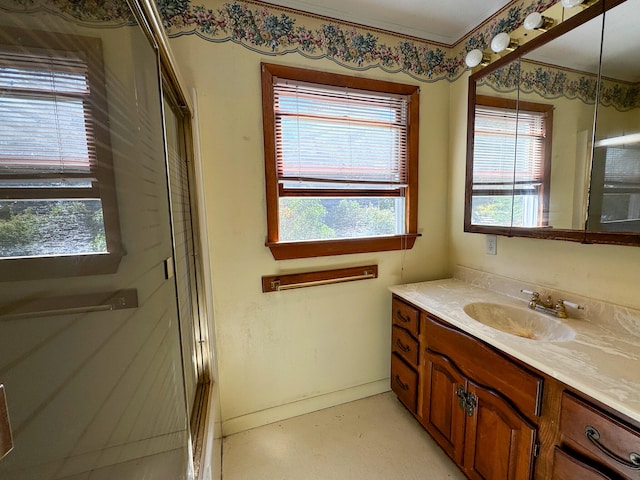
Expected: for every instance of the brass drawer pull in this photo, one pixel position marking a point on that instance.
(593, 435)
(401, 346)
(402, 318)
(403, 386)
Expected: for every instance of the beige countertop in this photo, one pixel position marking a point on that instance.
(602, 362)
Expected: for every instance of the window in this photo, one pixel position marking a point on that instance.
(341, 160)
(58, 213)
(511, 164)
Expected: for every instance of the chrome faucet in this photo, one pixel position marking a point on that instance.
(547, 305)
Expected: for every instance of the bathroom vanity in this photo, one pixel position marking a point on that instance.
(510, 405)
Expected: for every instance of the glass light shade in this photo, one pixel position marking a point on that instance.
(474, 58)
(571, 3)
(500, 42)
(534, 20)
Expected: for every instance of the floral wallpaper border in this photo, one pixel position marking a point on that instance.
(96, 13)
(279, 31)
(550, 82)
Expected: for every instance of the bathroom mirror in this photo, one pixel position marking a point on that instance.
(564, 184)
(614, 199)
(563, 75)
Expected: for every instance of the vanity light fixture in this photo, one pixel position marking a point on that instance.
(536, 21)
(502, 42)
(477, 57)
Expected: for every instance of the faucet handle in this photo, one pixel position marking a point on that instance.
(571, 304)
(535, 296)
(533, 301)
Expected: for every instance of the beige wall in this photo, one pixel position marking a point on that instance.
(285, 353)
(603, 272)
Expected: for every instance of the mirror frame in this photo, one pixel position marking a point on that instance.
(582, 235)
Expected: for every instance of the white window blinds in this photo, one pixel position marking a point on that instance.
(508, 146)
(45, 126)
(622, 167)
(340, 137)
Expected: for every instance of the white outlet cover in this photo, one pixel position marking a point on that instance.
(492, 244)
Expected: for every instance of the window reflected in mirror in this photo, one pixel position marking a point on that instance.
(614, 201)
(57, 192)
(511, 162)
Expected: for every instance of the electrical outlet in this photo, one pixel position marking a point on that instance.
(492, 245)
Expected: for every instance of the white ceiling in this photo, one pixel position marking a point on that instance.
(445, 21)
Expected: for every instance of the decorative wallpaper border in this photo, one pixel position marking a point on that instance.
(278, 31)
(97, 13)
(275, 31)
(552, 82)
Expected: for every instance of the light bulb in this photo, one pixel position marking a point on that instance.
(571, 3)
(534, 20)
(474, 58)
(501, 42)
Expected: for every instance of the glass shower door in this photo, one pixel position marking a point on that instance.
(90, 348)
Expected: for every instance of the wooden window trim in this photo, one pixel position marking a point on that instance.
(54, 266)
(547, 109)
(319, 248)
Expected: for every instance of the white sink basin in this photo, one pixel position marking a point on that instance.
(521, 322)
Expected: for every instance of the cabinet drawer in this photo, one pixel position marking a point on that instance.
(404, 382)
(404, 345)
(405, 316)
(567, 467)
(485, 365)
(599, 436)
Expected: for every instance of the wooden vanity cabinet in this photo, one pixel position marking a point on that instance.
(480, 406)
(489, 413)
(594, 438)
(477, 404)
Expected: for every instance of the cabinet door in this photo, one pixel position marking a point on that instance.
(499, 442)
(442, 414)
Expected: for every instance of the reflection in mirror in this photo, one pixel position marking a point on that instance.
(614, 200)
(581, 183)
(533, 130)
(511, 160)
(563, 75)
(494, 147)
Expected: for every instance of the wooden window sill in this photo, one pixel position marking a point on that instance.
(324, 248)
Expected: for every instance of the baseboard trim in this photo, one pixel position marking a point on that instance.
(300, 407)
